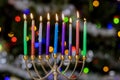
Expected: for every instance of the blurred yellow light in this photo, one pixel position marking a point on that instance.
(66, 52)
(105, 68)
(0, 29)
(118, 33)
(27, 38)
(35, 28)
(10, 34)
(51, 49)
(95, 3)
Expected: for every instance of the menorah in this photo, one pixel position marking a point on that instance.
(54, 68)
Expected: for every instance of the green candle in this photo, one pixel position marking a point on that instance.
(84, 38)
(25, 35)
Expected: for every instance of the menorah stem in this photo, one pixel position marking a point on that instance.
(55, 71)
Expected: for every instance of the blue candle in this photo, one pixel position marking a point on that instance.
(56, 35)
(40, 36)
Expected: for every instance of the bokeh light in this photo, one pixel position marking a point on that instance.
(98, 25)
(96, 3)
(115, 20)
(66, 19)
(17, 18)
(109, 26)
(7, 78)
(86, 70)
(105, 68)
(66, 52)
(51, 49)
(73, 48)
(36, 44)
(26, 11)
(14, 39)
(11, 34)
(0, 47)
(0, 29)
(28, 38)
(118, 33)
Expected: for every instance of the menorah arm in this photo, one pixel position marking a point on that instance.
(61, 63)
(83, 64)
(74, 68)
(41, 64)
(67, 67)
(26, 63)
(36, 71)
(49, 64)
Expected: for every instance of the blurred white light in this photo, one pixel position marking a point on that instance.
(90, 53)
(3, 60)
(29, 65)
(112, 73)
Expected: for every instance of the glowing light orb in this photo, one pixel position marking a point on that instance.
(0, 47)
(96, 3)
(14, 39)
(11, 34)
(86, 70)
(118, 33)
(66, 19)
(17, 18)
(116, 20)
(105, 68)
(51, 49)
(66, 52)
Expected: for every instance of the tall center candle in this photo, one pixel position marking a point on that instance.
(63, 35)
(25, 35)
(33, 35)
(77, 33)
(56, 35)
(70, 37)
(40, 36)
(84, 38)
(48, 34)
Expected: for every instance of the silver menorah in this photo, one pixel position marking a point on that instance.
(51, 64)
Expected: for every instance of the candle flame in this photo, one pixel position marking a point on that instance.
(78, 16)
(84, 19)
(56, 15)
(24, 16)
(48, 16)
(62, 16)
(70, 20)
(40, 18)
(31, 15)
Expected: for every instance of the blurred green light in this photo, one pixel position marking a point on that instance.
(116, 20)
(86, 70)
(0, 47)
(66, 19)
(98, 25)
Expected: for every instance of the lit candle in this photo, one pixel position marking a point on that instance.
(40, 36)
(70, 37)
(56, 35)
(25, 35)
(63, 35)
(84, 38)
(33, 35)
(48, 34)
(77, 33)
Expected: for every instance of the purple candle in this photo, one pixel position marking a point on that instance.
(48, 34)
(40, 36)
(63, 35)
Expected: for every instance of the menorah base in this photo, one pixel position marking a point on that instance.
(54, 68)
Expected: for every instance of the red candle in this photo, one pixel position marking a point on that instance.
(33, 35)
(77, 33)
